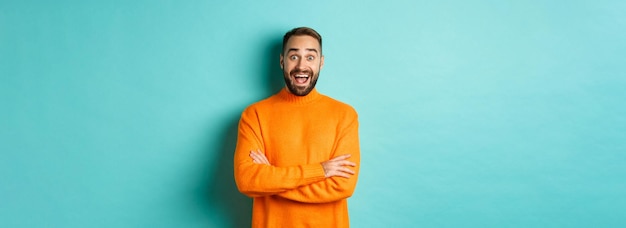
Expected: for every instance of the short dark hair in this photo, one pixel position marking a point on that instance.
(302, 31)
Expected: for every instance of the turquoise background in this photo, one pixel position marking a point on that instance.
(473, 113)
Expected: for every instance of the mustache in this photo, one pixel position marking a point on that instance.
(298, 71)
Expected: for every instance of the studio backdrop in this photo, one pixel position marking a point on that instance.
(472, 113)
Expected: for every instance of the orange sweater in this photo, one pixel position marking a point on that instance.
(296, 134)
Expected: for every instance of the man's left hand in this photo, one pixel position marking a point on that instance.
(258, 157)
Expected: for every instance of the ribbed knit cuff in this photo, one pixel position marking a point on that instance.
(312, 173)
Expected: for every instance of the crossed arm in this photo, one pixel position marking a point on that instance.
(335, 167)
(328, 181)
(324, 191)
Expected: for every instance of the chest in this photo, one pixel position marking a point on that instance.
(300, 137)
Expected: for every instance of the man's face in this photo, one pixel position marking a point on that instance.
(301, 62)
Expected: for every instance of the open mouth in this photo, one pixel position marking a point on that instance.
(301, 78)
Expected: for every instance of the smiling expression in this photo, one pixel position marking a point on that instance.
(301, 62)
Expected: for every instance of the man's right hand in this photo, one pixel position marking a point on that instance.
(337, 166)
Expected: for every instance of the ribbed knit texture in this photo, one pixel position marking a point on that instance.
(296, 134)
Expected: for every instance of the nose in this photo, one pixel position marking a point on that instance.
(299, 64)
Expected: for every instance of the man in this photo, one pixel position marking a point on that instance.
(297, 151)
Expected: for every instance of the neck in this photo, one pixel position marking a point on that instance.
(286, 95)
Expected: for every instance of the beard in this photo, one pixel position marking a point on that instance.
(300, 90)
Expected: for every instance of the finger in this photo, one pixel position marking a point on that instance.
(255, 161)
(262, 157)
(340, 171)
(345, 163)
(340, 157)
(254, 155)
(339, 174)
(346, 170)
(256, 158)
(342, 163)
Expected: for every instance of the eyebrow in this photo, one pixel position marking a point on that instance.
(308, 49)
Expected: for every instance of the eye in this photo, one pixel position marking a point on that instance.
(310, 58)
(293, 57)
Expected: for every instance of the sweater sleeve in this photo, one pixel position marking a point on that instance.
(334, 188)
(256, 180)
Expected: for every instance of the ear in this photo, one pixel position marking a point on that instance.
(281, 61)
(322, 62)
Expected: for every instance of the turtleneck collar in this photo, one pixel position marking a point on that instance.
(291, 98)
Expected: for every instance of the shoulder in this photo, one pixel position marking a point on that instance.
(340, 106)
(260, 105)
